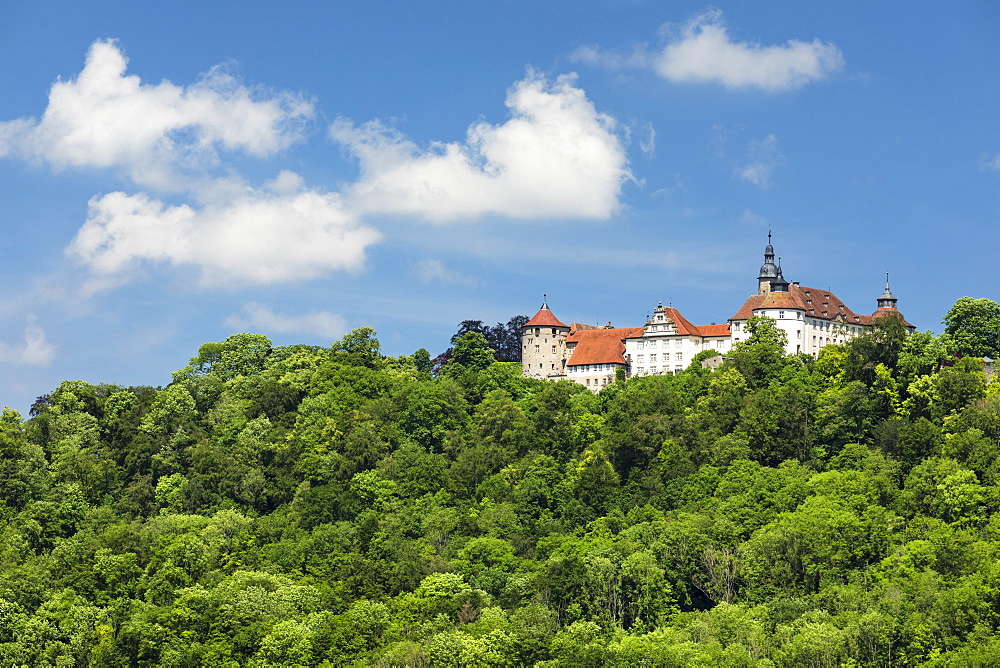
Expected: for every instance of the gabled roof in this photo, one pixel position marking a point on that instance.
(683, 325)
(544, 318)
(600, 346)
(685, 328)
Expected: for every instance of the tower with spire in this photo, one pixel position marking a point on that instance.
(543, 344)
(768, 271)
(887, 302)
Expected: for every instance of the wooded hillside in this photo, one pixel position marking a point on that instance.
(300, 505)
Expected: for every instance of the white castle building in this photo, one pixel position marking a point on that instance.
(589, 355)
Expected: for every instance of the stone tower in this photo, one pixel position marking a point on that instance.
(543, 345)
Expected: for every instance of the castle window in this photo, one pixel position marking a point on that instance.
(798, 333)
(640, 358)
(553, 350)
(641, 370)
(537, 349)
(640, 345)
(553, 330)
(678, 343)
(652, 369)
(538, 330)
(652, 344)
(781, 314)
(679, 356)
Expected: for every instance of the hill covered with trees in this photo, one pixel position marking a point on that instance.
(301, 505)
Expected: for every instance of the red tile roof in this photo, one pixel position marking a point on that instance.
(600, 346)
(544, 318)
(714, 330)
(683, 325)
(685, 328)
(821, 304)
(882, 312)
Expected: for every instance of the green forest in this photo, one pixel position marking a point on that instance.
(302, 505)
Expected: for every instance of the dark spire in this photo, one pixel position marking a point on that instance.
(779, 284)
(887, 300)
(768, 271)
(545, 301)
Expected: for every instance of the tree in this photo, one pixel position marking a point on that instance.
(761, 357)
(238, 355)
(505, 339)
(881, 344)
(472, 351)
(358, 348)
(422, 360)
(974, 324)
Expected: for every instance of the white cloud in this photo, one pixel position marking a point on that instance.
(429, 270)
(258, 317)
(35, 351)
(761, 161)
(643, 134)
(990, 163)
(702, 51)
(706, 53)
(555, 157)
(253, 237)
(106, 118)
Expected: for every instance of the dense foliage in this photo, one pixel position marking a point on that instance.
(299, 505)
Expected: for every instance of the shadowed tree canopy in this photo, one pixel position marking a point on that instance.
(503, 338)
(880, 344)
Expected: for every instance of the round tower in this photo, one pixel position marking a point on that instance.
(543, 345)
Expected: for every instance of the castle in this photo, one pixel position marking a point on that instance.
(667, 343)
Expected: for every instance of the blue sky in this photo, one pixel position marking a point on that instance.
(174, 175)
